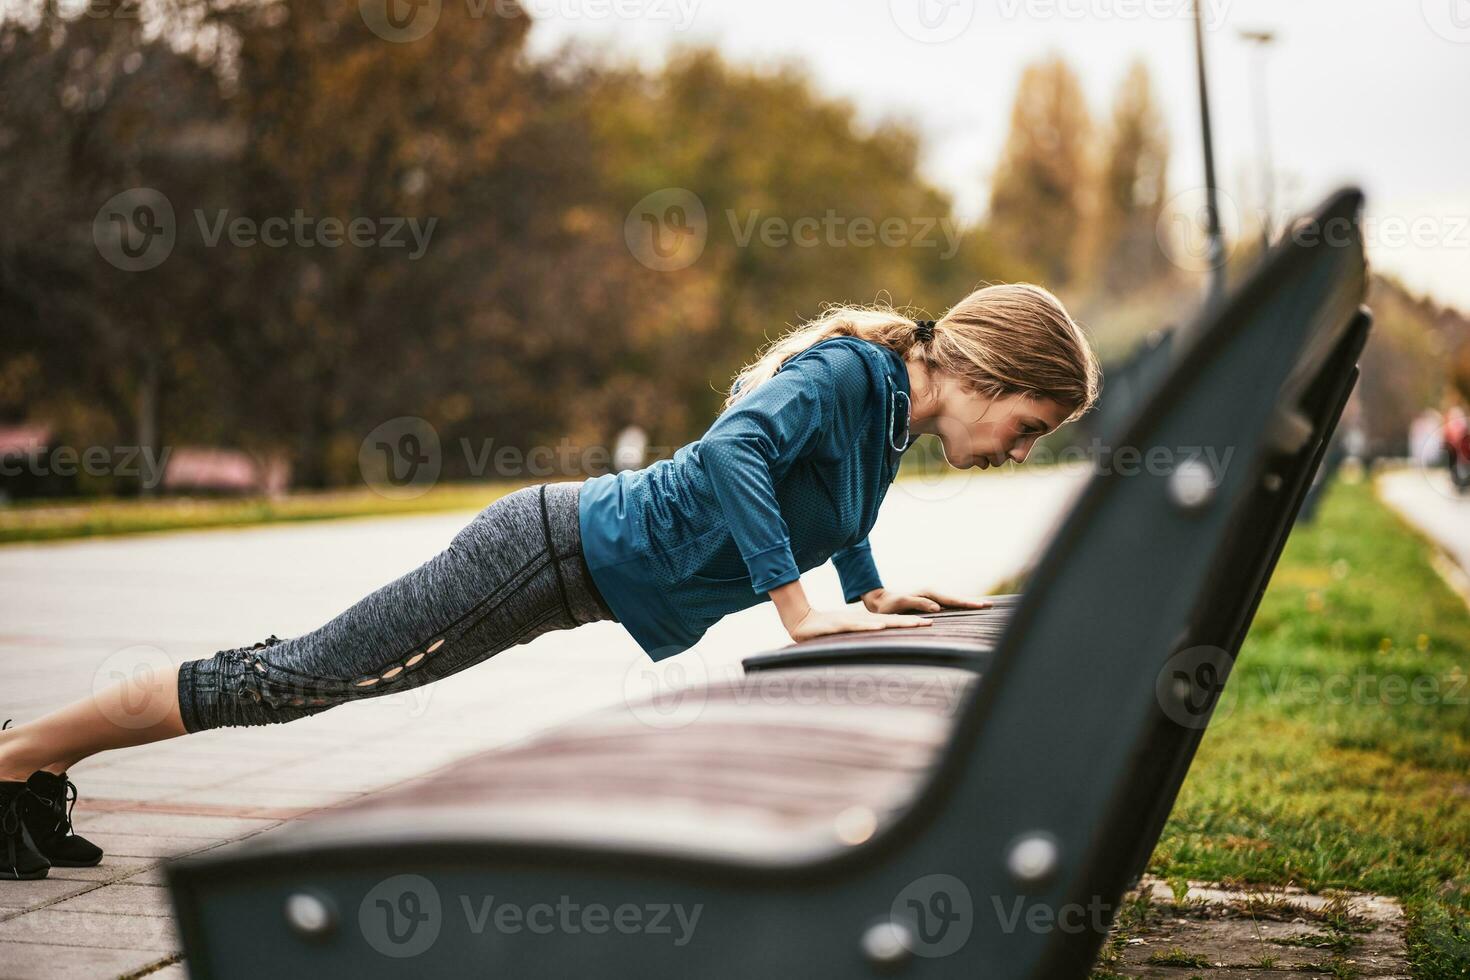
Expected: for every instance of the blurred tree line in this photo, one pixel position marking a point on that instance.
(527, 319)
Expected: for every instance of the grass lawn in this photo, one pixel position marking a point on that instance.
(57, 520)
(1344, 760)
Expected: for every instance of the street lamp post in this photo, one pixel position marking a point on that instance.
(1262, 41)
(1212, 202)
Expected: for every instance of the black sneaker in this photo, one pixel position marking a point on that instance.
(47, 817)
(19, 858)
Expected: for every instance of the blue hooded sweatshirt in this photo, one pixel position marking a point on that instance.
(789, 476)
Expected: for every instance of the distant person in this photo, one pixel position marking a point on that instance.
(789, 475)
(1426, 439)
(1456, 447)
(630, 449)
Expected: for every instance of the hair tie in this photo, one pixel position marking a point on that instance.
(924, 330)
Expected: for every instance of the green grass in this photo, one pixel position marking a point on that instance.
(1344, 761)
(59, 520)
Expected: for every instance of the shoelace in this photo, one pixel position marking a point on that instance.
(10, 818)
(68, 802)
(10, 828)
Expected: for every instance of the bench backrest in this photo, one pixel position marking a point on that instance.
(1069, 753)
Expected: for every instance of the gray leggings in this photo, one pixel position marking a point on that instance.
(514, 572)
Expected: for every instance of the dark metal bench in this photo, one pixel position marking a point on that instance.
(972, 824)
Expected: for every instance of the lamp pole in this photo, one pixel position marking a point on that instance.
(1212, 202)
(1262, 41)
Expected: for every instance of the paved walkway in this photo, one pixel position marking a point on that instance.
(77, 613)
(1427, 500)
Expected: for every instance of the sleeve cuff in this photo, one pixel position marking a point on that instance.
(772, 567)
(858, 573)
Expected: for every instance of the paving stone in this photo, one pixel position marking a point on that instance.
(246, 797)
(1262, 933)
(40, 961)
(110, 869)
(148, 876)
(30, 894)
(97, 929)
(147, 845)
(120, 899)
(170, 823)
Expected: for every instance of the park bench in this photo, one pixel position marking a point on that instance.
(984, 822)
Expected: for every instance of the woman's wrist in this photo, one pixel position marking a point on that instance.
(871, 597)
(791, 603)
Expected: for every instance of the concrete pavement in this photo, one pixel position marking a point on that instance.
(78, 615)
(1426, 499)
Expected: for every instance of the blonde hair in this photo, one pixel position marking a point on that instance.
(1007, 339)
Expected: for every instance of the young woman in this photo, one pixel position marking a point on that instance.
(789, 475)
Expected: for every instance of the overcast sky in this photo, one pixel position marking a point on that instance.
(1373, 92)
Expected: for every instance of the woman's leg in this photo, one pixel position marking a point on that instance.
(514, 572)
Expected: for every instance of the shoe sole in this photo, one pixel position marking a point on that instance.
(30, 876)
(74, 864)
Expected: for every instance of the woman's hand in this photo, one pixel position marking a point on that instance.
(925, 600)
(820, 622)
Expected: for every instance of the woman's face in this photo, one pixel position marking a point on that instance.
(978, 430)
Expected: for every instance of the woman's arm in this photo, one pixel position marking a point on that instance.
(749, 448)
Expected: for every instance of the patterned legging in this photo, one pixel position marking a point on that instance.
(514, 572)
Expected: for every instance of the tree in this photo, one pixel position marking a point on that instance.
(1039, 195)
(1125, 252)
